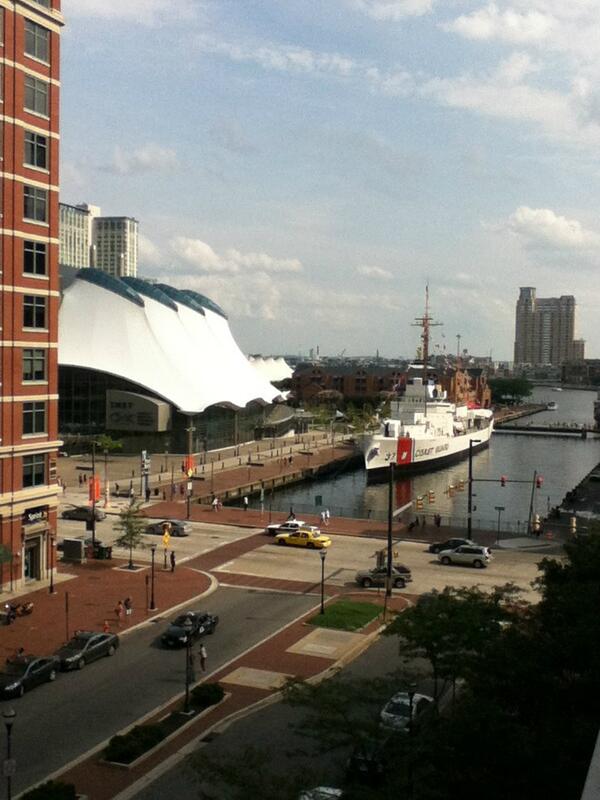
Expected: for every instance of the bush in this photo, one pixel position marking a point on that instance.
(207, 694)
(52, 790)
(125, 749)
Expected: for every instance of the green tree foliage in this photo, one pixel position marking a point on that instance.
(510, 390)
(131, 526)
(106, 442)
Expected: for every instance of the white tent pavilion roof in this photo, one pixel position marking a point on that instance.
(174, 343)
(273, 368)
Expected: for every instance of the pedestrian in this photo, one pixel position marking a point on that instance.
(245, 503)
(290, 459)
(119, 612)
(117, 489)
(291, 516)
(172, 559)
(85, 477)
(106, 627)
(80, 479)
(203, 654)
(322, 517)
(438, 520)
(128, 604)
(147, 494)
(327, 516)
(215, 503)
(131, 494)
(183, 466)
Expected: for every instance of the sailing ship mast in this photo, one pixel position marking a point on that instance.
(426, 322)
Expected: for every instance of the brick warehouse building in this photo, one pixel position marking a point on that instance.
(29, 238)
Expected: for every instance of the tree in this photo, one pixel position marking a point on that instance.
(510, 390)
(106, 442)
(131, 525)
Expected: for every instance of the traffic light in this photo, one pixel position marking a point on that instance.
(573, 523)
(536, 523)
(539, 482)
(431, 496)
(503, 480)
(419, 503)
(451, 489)
(461, 486)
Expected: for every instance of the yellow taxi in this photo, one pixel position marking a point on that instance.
(304, 537)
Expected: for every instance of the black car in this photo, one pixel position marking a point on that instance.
(24, 672)
(83, 513)
(86, 646)
(202, 623)
(449, 544)
(178, 528)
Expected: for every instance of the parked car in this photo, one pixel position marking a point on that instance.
(289, 526)
(377, 577)
(83, 513)
(203, 623)
(304, 537)
(178, 528)
(86, 646)
(472, 555)
(449, 544)
(321, 793)
(396, 713)
(25, 672)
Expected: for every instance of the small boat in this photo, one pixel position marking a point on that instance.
(551, 406)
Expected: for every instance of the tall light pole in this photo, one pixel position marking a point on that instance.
(152, 603)
(10, 764)
(388, 577)
(323, 554)
(189, 663)
(470, 488)
(52, 560)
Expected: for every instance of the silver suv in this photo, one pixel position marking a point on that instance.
(471, 554)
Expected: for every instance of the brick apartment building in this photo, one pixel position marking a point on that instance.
(30, 46)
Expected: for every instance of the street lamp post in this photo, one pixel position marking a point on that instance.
(470, 488)
(189, 663)
(10, 764)
(323, 554)
(499, 509)
(52, 560)
(388, 577)
(152, 603)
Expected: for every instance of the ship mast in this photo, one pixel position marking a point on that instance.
(426, 322)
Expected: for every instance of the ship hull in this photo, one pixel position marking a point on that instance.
(427, 454)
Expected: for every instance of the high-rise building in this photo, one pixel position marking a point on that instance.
(115, 246)
(87, 239)
(29, 139)
(544, 329)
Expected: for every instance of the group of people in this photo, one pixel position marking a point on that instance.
(216, 504)
(123, 608)
(325, 516)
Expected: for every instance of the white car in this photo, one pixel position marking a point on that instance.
(289, 526)
(396, 712)
(473, 555)
(321, 793)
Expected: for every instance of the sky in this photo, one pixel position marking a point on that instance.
(311, 165)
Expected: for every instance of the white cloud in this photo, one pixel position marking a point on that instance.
(394, 9)
(141, 12)
(374, 272)
(201, 255)
(507, 25)
(542, 227)
(150, 157)
(149, 254)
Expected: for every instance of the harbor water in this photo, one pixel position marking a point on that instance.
(562, 463)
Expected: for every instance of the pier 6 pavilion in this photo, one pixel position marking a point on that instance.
(146, 362)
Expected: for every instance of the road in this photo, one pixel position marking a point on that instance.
(58, 722)
(272, 730)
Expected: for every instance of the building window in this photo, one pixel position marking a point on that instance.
(34, 470)
(34, 365)
(45, 3)
(34, 417)
(37, 40)
(36, 95)
(34, 257)
(34, 311)
(36, 150)
(35, 203)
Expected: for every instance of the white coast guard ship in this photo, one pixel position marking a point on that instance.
(425, 430)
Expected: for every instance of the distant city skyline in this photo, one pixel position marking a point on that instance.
(310, 166)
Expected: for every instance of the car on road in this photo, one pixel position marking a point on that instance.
(321, 793)
(24, 672)
(304, 537)
(202, 624)
(473, 555)
(83, 513)
(178, 528)
(289, 526)
(401, 575)
(86, 646)
(399, 709)
(449, 544)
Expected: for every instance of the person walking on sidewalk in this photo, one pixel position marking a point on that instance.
(172, 559)
(245, 503)
(119, 612)
(327, 516)
(128, 604)
(203, 654)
